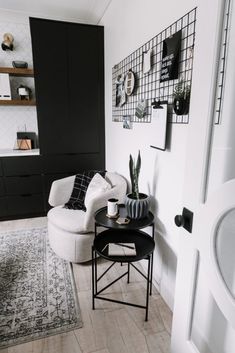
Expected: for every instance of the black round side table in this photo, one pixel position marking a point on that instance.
(121, 234)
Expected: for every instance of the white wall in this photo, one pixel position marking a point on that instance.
(128, 25)
(15, 118)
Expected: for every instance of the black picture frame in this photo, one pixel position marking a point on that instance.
(170, 57)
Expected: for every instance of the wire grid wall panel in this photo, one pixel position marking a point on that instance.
(148, 86)
(222, 63)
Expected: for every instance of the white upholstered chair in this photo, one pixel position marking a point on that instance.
(71, 232)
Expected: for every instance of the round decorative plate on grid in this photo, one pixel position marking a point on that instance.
(129, 83)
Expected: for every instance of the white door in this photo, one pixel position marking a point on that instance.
(204, 311)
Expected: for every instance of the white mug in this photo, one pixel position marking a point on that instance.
(112, 207)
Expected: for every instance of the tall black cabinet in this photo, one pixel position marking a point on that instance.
(69, 83)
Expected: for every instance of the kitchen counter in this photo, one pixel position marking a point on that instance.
(10, 152)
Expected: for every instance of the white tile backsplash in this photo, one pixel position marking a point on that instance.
(15, 118)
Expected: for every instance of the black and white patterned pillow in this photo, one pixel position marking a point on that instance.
(81, 182)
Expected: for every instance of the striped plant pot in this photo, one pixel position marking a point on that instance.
(137, 208)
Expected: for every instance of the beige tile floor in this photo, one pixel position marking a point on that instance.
(112, 327)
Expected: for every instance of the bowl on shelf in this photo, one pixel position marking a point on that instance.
(20, 64)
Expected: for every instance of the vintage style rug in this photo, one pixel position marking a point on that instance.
(38, 297)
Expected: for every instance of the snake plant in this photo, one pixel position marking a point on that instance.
(134, 175)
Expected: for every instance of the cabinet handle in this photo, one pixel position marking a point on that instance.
(25, 176)
(26, 195)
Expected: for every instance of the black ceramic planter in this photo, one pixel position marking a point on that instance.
(137, 209)
(181, 106)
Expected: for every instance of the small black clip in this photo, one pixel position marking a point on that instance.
(156, 104)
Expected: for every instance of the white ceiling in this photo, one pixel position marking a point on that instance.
(87, 11)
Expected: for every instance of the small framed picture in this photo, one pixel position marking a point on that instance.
(141, 109)
(120, 91)
(127, 123)
(146, 64)
(129, 83)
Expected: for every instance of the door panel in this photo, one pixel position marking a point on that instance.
(69, 75)
(71, 164)
(85, 77)
(211, 332)
(49, 44)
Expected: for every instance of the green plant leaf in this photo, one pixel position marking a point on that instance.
(138, 165)
(131, 168)
(134, 175)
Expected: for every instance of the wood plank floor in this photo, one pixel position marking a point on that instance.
(111, 328)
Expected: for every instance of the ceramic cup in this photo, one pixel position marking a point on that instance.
(112, 207)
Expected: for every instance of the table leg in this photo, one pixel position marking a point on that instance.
(148, 285)
(151, 275)
(93, 278)
(128, 274)
(95, 273)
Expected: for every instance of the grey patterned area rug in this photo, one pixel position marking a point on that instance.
(38, 297)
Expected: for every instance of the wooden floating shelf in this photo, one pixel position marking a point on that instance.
(16, 72)
(18, 102)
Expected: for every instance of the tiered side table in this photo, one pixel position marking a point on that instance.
(128, 233)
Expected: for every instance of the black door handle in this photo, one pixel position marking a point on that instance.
(185, 220)
(179, 220)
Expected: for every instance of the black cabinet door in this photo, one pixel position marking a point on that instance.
(3, 208)
(70, 164)
(27, 165)
(2, 189)
(1, 171)
(69, 81)
(23, 185)
(49, 44)
(85, 79)
(25, 205)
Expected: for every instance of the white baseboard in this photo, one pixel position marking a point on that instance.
(162, 288)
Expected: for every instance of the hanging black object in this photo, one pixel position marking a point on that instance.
(157, 104)
(181, 96)
(7, 43)
(181, 106)
(170, 57)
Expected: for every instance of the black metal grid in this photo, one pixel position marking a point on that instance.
(148, 86)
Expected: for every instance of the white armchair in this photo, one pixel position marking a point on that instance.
(71, 232)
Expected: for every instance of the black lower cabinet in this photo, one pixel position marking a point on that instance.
(26, 181)
(31, 204)
(25, 185)
(21, 187)
(49, 178)
(23, 165)
(2, 191)
(3, 208)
